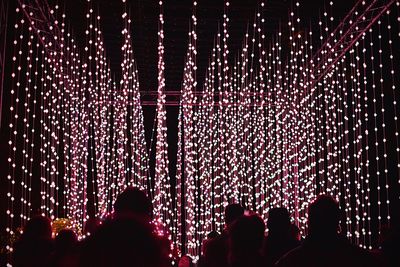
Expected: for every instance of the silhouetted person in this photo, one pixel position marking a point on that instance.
(123, 241)
(216, 250)
(133, 201)
(279, 240)
(35, 246)
(66, 249)
(128, 238)
(324, 246)
(246, 236)
(210, 236)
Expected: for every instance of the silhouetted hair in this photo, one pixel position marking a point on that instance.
(66, 239)
(212, 234)
(133, 200)
(38, 227)
(247, 234)
(323, 215)
(233, 212)
(278, 220)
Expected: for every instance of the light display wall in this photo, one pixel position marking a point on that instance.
(291, 119)
(305, 111)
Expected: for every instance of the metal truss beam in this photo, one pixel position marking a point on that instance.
(358, 21)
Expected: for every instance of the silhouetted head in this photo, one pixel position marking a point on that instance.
(323, 216)
(66, 239)
(38, 227)
(212, 234)
(278, 220)
(133, 201)
(247, 234)
(233, 212)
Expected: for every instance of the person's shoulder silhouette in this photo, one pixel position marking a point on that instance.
(324, 245)
(246, 237)
(216, 249)
(121, 241)
(66, 249)
(128, 238)
(35, 246)
(280, 239)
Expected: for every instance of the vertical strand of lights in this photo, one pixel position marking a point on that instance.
(89, 104)
(189, 139)
(63, 119)
(73, 124)
(345, 145)
(100, 125)
(270, 129)
(383, 126)
(358, 135)
(66, 123)
(331, 127)
(224, 119)
(130, 83)
(261, 159)
(206, 178)
(278, 179)
(57, 106)
(392, 71)
(353, 112)
(328, 120)
(312, 119)
(13, 125)
(214, 141)
(32, 122)
(377, 176)
(367, 197)
(179, 203)
(353, 99)
(162, 201)
(288, 132)
(307, 171)
(25, 178)
(94, 113)
(255, 125)
(320, 126)
(217, 143)
(395, 88)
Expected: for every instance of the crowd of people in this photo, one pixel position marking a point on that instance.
(128, 238)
